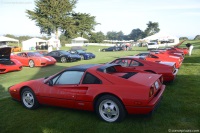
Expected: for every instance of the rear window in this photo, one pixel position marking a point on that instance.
(91, 79)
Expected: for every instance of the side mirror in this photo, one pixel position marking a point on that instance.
(50, 82)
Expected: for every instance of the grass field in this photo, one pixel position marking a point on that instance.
(179, 108)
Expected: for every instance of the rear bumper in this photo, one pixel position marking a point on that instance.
(149, 107)
(170, 77)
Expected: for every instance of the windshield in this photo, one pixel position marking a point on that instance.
(81, 51)
(64, 52)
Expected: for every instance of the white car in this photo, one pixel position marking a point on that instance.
(152, 45)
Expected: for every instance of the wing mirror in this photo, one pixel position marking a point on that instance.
(50, 82)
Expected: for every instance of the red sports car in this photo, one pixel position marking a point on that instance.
(176, 49)
(32, 59)
(158, 57)
(169, 72)
(168, 52)
(7, 64)
(110, 89)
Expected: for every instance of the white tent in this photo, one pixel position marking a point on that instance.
(162, 37)
(4, 40)
(79, 41)
(32, 43)
(54, 42)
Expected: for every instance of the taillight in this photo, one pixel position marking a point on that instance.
(151, 92)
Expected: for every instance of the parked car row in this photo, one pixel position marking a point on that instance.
(127, 85)
(14, 62)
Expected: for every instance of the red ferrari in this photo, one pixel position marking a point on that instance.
(158, 57)
(176, 49)
(33, 59)
(169, 72)
(7, 64)
(111, 90)
(168, 52)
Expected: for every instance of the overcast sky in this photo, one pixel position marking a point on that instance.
(176, 17)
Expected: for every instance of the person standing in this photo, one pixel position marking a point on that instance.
(190, 48)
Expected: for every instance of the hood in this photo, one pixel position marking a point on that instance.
(5, 53)
(146, 79)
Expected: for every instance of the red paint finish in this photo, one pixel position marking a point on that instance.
(132, 89)
(38, 59)
(169, 72)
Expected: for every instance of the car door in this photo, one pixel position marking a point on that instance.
(23, 58)
(136, 65)
(63, 89)
(55, 55)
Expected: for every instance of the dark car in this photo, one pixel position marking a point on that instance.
(84, 55)
(115, 48)
(64, 56)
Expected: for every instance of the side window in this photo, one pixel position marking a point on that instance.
(134, 63)
(123, 62)
(91, 79)
(68, 77)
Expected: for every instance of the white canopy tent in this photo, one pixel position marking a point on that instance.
(162, 37)
(54, 42)
(79, 41)
(4, 40)
(32, 43)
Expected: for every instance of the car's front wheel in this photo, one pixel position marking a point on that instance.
(63, 59)
(31, 63)
(28, 99)
(110, 109)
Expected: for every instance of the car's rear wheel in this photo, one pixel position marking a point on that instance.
(31, 63)
(110, 109)
(63, 59)
(28, 99)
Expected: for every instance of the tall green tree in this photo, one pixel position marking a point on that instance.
(97, 37)
(136, 34)
(50, 15)
(84, 22)
(152, 28)
(58, 15)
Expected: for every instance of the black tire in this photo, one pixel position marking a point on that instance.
(63, 59)
(31, 63)
(110, 109)
(28, 99)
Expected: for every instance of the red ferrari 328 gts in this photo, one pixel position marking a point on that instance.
(169, 71)
(111, 90)
(7, 64)
(159, 57)
(33, 59)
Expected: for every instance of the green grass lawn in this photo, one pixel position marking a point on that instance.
(179, 108)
